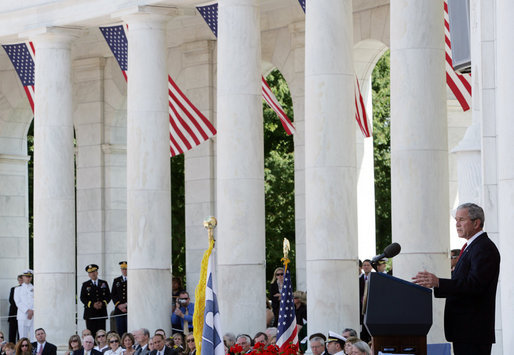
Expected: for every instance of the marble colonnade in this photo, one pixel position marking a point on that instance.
(54, 184)
(240, 168)
(330, 177)
(148, 172)
(419, 149)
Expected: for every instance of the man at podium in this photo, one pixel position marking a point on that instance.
(471, 292)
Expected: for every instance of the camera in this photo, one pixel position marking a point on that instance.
(182, 301)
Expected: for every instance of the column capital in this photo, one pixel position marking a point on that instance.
(53, 34)
(152, 13)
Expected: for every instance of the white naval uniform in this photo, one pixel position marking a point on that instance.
(24, 299)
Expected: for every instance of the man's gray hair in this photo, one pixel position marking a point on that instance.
(248, 339)
(475, 212)
(321, 341)
(352, 332)
(145, 332)
(362, 346)
(230, 337)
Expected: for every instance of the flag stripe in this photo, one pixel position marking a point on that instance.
(459, 84)
(22, 56)
(287, 331)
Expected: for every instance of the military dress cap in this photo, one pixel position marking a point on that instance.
(382, 261)
(123, 264)
(333, 336)
(318, 335)
(27, 272)
(91, 268)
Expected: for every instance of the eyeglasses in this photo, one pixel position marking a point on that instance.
(114, 341)
(279, 274)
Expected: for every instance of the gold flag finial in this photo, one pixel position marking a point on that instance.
(286, 248)
(210, 223)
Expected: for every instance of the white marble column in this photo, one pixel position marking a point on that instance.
(148, 174)
(54, 186)
(330, 167)
(419, 148)
(200, 162)
(505, 134)
(240, 169)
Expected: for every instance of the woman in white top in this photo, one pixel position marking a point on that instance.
(114, 344)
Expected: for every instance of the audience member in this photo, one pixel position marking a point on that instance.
(300, 304)
(360, 348)
(101, 341)
(229, 339)
(114, 342)
(23, 347)
(24, 298)
(182, 317)
(142, 337)
(191, 346)
(260, 337)
(8, 348)
(86, 332)
(454, 258)
(179, 343)
(88, 343)
(275, 290)
(244, 341)
(158, 346)
(348, 345)
(74, 344)
(317, 342)
(128, 342)
(270, 316)
(349, 332)
(40, 346)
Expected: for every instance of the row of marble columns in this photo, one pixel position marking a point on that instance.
(419, 165)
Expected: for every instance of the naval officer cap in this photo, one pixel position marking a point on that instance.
(27, 272)
(333, 336)
(92, 268)
(123, 264)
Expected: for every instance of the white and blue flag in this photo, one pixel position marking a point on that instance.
(212, 337)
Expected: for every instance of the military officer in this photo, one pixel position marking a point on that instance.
(119, 298)
(24, 298)
(95, 296)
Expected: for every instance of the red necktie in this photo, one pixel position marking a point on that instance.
(462, 250)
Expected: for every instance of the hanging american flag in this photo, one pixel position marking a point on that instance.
(360, 110)
(22, 57)
(459, 84)
(188, 126)
(287, 332)
(210, 15)
(116, 38)
(302, 4)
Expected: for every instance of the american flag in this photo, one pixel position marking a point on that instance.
(212, 336)
(459, 84)
(360, 108)
(210, 15)
(287, 332)
(22, 57)
(116, 38)
(188, 126)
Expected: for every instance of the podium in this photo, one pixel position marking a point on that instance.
(398, 315)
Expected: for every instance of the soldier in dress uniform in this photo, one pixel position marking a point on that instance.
(95, 296)
(119, 298)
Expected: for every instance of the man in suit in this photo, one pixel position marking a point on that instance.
(88, 343)
(471, 292)
(142, 337)
(363, 284)
(317, 342)
(159, 348)
(95, 296)
(13, 311)
(40, 346)
(119, 298)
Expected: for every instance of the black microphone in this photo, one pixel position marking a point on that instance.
(390, 251)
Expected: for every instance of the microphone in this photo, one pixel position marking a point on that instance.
(390, 251)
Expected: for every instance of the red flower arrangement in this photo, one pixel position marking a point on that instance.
(261, 349)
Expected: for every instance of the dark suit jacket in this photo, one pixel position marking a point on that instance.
(49, 349)
(471, 293)
(13, 310)
(92, 352)
(118, 293)
(167, 351)
(141, 351)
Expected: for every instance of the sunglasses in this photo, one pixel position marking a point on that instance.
(114, 341)
(24, 345)
(279, 274)
(100, 335)
(190, 340)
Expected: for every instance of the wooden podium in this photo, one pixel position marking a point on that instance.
(398, 315)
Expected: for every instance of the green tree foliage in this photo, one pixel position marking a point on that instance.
(178, 217)
(382, 150)
(278, 178)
